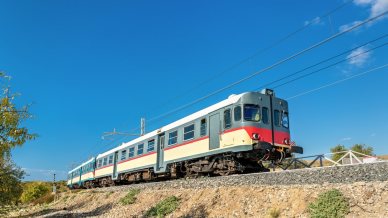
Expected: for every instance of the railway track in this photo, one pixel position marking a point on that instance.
(367, 172)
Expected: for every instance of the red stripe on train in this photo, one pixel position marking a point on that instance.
(265, 135)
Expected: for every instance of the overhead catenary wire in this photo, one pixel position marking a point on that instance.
(271, 66)
(265, 69)
(261, 51)
(331, 65)
(338, 81)
(321, 62)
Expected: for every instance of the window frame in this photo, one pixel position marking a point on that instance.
(276, 118)
(234, 113)
(138, 149)
(129, 152)
(153, 145)
(110, 159)
(203, 127)
(191, 131)
(170, 138)
(228, 111)
(288, 119)
(258, 109)
(267, 115)
(105, 162)
(123, 154)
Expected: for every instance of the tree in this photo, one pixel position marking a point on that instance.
(34, 191)
(12, 134)
(363, 149)
(335, 149)
(10, 185)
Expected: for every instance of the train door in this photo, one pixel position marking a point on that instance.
(160, 152)
(72, 177)
(266, 105)
(80, 176)
(115, 160)
(273, 115)
(214, 131)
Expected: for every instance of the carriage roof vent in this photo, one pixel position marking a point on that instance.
(268, 92)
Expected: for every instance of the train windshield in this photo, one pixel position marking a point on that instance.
(285, 119)
(251, 112)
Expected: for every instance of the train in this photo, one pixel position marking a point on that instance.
(233, 136)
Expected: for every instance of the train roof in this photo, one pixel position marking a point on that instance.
(84, 163)
(230, 100)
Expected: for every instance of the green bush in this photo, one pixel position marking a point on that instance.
(329, 204)
(33, 191)
(130, 198)
(164, 207)
(274, 213)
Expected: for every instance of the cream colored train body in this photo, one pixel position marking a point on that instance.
(232, 136)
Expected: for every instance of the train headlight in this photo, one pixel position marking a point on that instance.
(286, 141)
(255, 136)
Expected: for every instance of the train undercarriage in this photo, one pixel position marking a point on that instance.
(215, 165)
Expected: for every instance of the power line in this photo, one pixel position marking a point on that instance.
(261, 51)
(271, 66)
(331, 65)
(321, 62)
(316, 71)
(338, 81)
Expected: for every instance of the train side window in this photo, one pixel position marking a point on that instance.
(227, 120)
(203, 127)
(173, 138)
(276, 118)
(140, 149)
(188, 132)
(105, 161)
(99, 163)
(237, 113)
(110, 159)
(124, 154)
(131, 152)
(285, 123)
(151, 145)
(265, 117)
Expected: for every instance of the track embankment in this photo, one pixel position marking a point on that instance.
(286, 193)
(320, 175)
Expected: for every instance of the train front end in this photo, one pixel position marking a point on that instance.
(266, 120)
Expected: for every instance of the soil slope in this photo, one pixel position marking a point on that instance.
(367, 199)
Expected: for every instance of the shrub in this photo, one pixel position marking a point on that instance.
(329, 204)
(34, 191)
(164, 207)
(274, 213)
(130, 198)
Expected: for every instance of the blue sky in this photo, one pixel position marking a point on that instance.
(90, 66)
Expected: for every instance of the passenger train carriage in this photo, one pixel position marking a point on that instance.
(232, 136)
